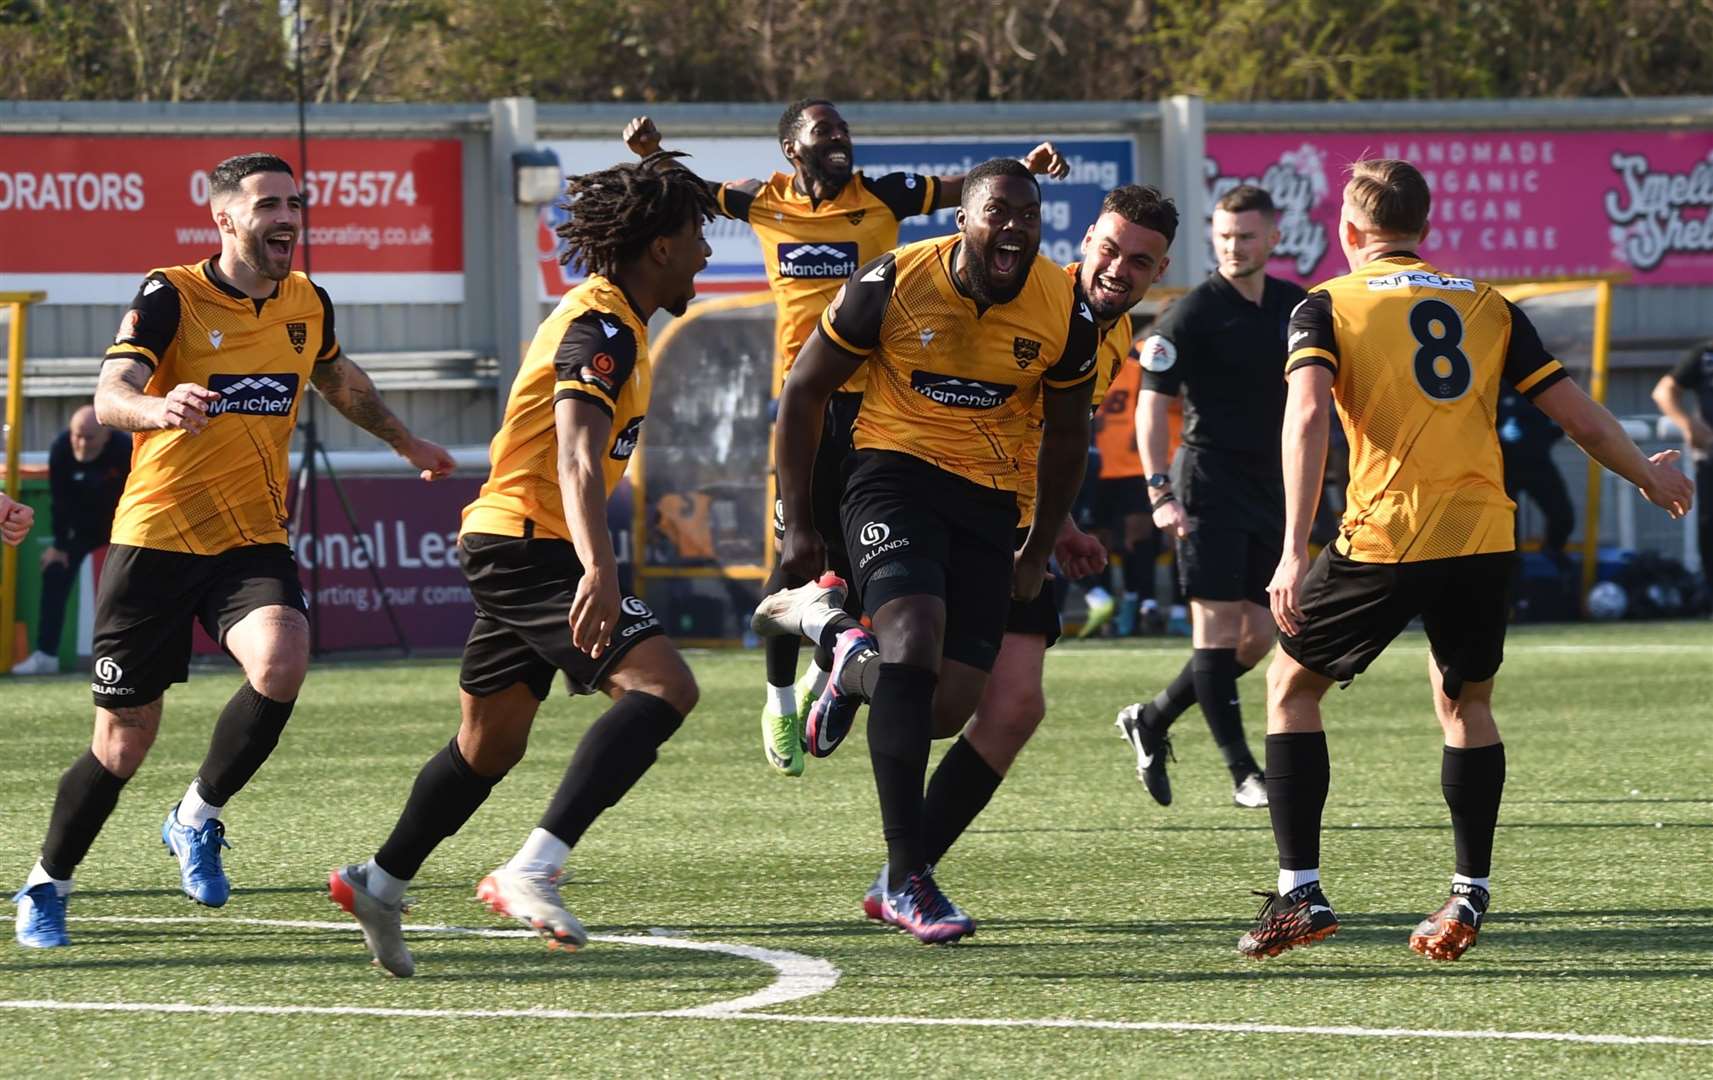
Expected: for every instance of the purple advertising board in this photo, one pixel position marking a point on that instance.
(1507, 204)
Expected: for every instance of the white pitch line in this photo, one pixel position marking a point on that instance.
(800, 976)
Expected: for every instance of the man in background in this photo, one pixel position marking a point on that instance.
(87, 467)
(1693, 378)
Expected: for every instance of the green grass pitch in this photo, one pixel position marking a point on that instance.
(1098, 911)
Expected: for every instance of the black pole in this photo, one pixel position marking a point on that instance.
(311, 439)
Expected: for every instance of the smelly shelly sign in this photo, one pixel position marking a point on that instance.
(1507, 204)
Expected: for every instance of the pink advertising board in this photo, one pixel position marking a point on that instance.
(1518, 204)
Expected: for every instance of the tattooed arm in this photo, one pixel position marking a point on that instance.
(348, 388)
(120, 401)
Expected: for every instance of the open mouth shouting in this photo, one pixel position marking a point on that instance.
(280, 242)
(1007, 257)
(1109, 295)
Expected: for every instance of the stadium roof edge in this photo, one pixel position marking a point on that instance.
(1509, 113)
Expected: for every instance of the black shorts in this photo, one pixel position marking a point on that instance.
(523, 589)
(1221, 562)
(916, 530)
(1040, 616)
(832, 466)
(1352, 611)
(1116, 498)
(148, 599)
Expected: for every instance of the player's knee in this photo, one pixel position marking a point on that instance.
(123, 738)
(279, 675)
(1012, 720)
(1252, 649)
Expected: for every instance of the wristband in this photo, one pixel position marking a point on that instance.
(1162, 500)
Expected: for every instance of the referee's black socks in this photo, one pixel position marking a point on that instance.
(616, 751)
(447, 791)
(1215, 672)
(1473, 780)
(1298, 775)
(900, 718)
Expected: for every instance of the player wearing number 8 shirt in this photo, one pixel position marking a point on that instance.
(535, 549)
(961, 336)
(1414, 360)
(208, 368)
(816, 224)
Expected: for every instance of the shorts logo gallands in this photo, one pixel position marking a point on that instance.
(271, 394)
(817, 260)
(877, 537)
(634, 606)
(960, 393)
(107, 675)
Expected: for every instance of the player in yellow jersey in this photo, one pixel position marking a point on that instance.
(961, 335)
(15, 520)
(1414, 361)
(535, 549)
(816, 224)
(208, 369)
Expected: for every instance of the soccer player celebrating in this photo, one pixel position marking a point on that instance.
(15, 520)
(1223, 346)
(961, 335)
(206, 369)
(535, 550)
(816, 225)
(1415, 361)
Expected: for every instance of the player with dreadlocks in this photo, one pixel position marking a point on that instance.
(535, 550)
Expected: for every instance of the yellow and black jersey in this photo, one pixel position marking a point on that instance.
(948, 383)
(1115, 423)
(226, 486)
(1108, 368)
(810, 248)
(593, 348)
(1418, 358)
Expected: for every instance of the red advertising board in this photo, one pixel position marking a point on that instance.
(84, 217)
(1507, 204)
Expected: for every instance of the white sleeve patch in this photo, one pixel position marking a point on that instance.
(1158, 354)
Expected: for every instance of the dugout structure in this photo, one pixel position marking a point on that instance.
(15, 315)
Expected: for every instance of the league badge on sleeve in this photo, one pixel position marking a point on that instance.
(1158, 354)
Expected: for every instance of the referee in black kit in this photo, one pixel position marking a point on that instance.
(1223, 347)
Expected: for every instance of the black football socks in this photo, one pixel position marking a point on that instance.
(86, 798)
(615, 752)
(900, 718)
(1473, 780)
(960, 789)
(446, 793)
(248, 730)
(1298, 775)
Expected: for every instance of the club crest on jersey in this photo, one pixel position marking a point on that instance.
(1025, 350)
(817, 260)
(624, 443)
(298, 334)
(855, 216)
(271, 394)
(960, 393)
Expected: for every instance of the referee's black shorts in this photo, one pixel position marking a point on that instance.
(914, 529)
(1235, 506)
(832, 464)
(523, 589)
(1352, 611)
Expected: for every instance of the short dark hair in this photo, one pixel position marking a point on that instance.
(1393, 194)
(1245, 197)
(1144, 205)
(993, 169)
(793, 115)
(228, 176)
(614, 214)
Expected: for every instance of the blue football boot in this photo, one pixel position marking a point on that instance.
(198, 854)
(41, 917)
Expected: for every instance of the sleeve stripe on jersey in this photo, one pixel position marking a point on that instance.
(1316, 356)
(338, 354)
(930, 194)
(720, 201)
(833, 336)
(1541, 378)
(1067, 384)
(132, 352)
(575, 392)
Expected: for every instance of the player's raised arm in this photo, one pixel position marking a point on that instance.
(1044, 160)
(733, 197)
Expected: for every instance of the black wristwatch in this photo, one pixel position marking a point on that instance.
(1158, 480)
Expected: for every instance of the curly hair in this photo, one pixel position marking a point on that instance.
(614, 214)
(1141, 204)
(793, 116)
